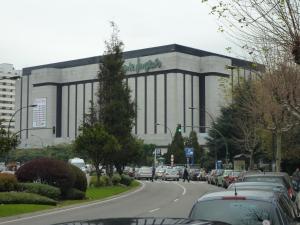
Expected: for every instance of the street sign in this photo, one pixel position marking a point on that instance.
(158, 151)
(189, 152)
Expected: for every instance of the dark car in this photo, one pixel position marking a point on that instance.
(273, 177)
(244, 207)
(265, 186)
(137, 221)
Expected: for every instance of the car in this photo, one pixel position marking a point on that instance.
(159, 172)
(273, 177)
(202, 175)
(180, 169)
(170, 174)
(231, 178)
(210, 176)
(218, 173)
(244, 207)
(248, 172)
(265, 186)
(129, 171)
(221, 177)
(194, 173)
(144, 173)
(145, 220)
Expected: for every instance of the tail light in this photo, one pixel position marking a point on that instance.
(234, 198)
(290, 192)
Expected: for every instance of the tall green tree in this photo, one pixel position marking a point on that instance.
(6, 143)
(95, 143)
(176, 149)
(116, 109)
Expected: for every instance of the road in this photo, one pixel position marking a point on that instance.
(157, 199)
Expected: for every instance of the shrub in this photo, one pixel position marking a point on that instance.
(49, 171)
(74, 194)
(116, 178)
(8, 182)
(24, 198)
(41, 189)
(80, 178)
(126, 180)
(95, 183)
(106, 180)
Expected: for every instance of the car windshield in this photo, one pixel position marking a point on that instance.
(171, 171)
(145, 170)
(235, 212)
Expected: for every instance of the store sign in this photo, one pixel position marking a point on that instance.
(146, 66)
(39, 113)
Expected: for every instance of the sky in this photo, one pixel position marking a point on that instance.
(36, 32)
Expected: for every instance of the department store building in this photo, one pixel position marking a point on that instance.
(170, 84)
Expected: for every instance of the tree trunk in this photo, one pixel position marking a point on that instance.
(278, 151)
(251, 159)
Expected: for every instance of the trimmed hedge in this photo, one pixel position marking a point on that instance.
(8, 182)
(24, 198)
(104, 181)
(74, 194)
(80, 182)
(49, 171)
(116, 178)
(126, 180)
(41, 189)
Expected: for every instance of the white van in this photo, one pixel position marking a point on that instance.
(79, 163)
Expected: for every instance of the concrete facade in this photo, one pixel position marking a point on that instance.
(7, 93)
(169, 83)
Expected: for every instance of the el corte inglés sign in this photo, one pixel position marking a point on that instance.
(139, 66)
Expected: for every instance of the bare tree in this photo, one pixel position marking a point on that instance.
(252, 23)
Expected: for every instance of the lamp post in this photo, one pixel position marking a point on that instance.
(24, 107)
(159, 124)
(201, 109)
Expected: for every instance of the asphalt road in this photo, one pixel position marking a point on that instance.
(157, 199)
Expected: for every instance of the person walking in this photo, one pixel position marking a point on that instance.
(186, 175)
(296, 178)
(153, 173)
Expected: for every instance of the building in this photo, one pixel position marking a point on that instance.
(8, 75)
(171, 85)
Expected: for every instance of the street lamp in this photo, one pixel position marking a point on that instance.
(201, 109)
(11, 78)
(29, 106)
(159, 124)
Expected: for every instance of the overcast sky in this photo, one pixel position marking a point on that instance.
(35, 32)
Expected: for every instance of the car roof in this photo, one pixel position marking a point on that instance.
(241, 184)
(259, 195)
(267, 174)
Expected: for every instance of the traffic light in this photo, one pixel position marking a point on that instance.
(178, 128)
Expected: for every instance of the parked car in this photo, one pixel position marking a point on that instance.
(210, 176)
(159, 173)
(144, 173)
(170, 174)
(244, 207)
(202, 175)
(79, 163)
(231, 178)
(221, 177)
(218, 173)
(273, 177)
(180, 170)
(265, 186)
(194, 173)
(129, 171)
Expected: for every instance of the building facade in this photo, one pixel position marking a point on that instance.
(170, 84)
(7, 93)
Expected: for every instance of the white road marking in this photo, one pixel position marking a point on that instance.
(176, 200)
(153, 210)
(184, 190)
(76, 207)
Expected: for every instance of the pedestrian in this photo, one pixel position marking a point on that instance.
(153, 173)
(186, 175)
(296, 178)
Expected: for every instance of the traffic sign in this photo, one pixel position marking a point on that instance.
(189, 152)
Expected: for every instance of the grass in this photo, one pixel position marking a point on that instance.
(92, 194)
(15, 209)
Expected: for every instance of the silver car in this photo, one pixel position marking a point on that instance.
(144, 173)
(170, 174)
